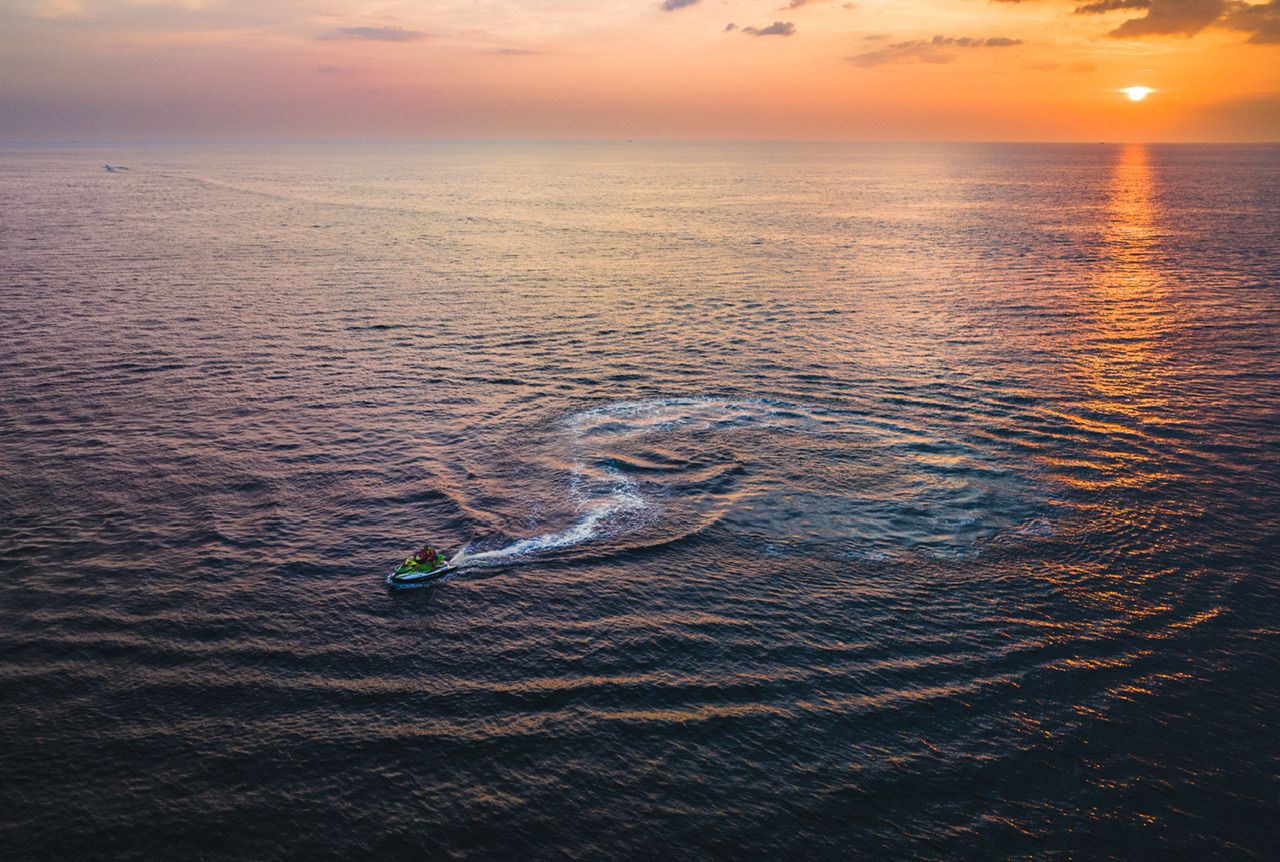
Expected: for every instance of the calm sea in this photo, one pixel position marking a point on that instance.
(814, 502)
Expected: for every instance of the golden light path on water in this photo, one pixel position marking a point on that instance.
(1128, 294)
(1122, 351)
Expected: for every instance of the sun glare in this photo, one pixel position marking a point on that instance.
(1137, 94)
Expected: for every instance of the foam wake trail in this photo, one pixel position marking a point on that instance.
(610, 501)
(601, 517)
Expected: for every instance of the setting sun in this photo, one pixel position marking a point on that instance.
(1137, 94)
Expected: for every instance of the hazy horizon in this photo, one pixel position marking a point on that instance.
(391, 142)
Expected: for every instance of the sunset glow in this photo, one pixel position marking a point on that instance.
(642, 69)
(1137, 94)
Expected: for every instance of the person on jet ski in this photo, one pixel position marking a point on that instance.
(429, 558)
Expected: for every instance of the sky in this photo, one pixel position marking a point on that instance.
(640, 69)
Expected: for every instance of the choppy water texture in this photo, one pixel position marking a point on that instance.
(813, 501)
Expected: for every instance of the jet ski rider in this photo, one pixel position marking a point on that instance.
(427, 558)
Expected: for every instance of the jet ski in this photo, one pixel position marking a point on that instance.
(422, 568)
(406, 576)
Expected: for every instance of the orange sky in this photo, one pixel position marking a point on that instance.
(813, 69)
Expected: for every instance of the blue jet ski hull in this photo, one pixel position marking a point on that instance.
(409, 579)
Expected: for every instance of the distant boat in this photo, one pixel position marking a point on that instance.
(114, 169)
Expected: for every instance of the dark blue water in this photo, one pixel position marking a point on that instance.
(812, 501)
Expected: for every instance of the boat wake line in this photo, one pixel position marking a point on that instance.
(615, 484)
(598, 518)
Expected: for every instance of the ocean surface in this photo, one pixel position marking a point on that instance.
(812, 501)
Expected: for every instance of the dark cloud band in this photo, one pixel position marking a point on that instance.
(1187, 17)
(777, 28)
(928, 50)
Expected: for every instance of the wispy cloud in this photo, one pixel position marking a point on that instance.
(1167, 17)
(375, 34)
(673, 5)
(928, 50)
(777, 28)
(1260, 20)
(1187, 17)
(1110, 5)
(512, 52)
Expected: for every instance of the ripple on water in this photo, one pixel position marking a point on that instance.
(905, 502)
